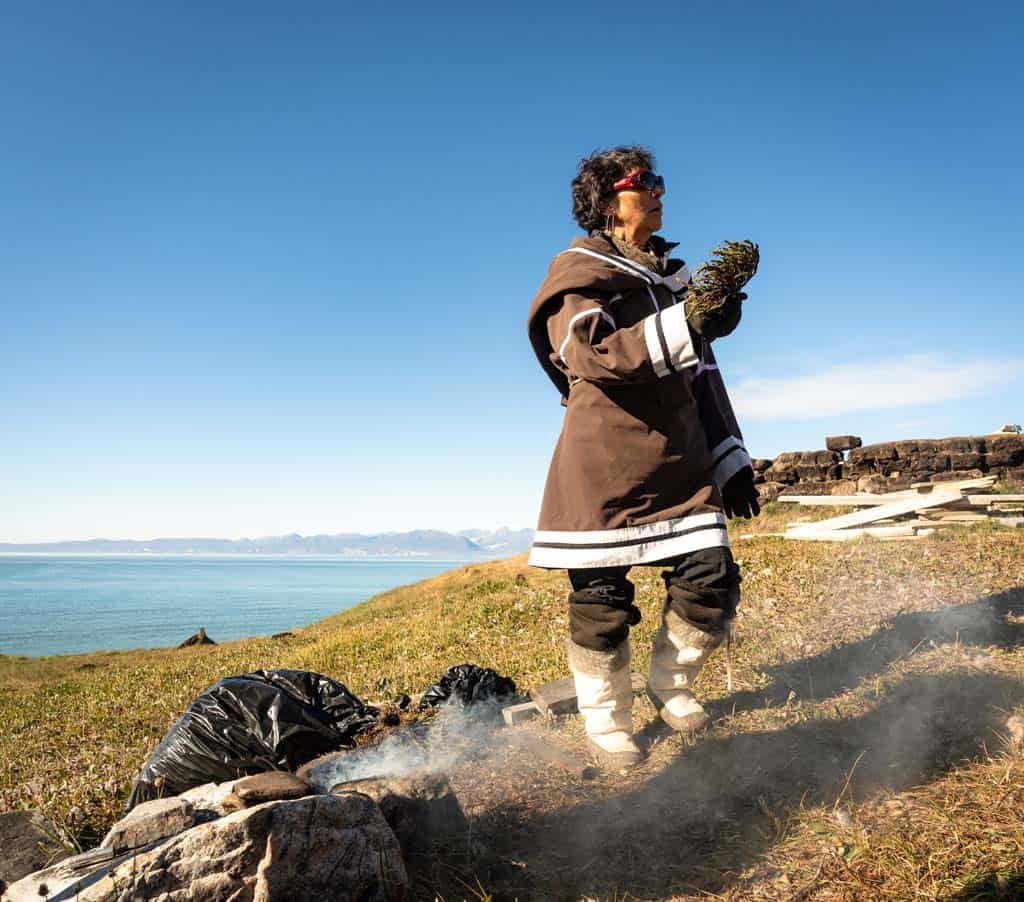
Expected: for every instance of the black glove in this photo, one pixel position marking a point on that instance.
(720, 321)
(739, 495)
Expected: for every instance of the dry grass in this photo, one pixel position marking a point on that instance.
(861, 755)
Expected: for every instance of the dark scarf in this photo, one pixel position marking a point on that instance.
(653, 256)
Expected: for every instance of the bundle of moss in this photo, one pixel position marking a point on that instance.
(731, 266)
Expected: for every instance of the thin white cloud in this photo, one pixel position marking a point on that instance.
(870, 385)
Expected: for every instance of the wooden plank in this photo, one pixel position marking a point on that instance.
(865, 500)
(849, 535)
(980, 483)
(941, 515)
(868, 499)
(558, 697)
(885, 511)
(995, 499)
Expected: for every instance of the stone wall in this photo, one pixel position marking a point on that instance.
(889, 466)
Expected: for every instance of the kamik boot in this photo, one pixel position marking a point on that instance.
(677, 656)
(604, 694)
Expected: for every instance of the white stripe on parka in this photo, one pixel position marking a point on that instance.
(677, 334)
(568, 335)
(732, 463)
(650, 542)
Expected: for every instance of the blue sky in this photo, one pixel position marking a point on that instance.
(265, 267)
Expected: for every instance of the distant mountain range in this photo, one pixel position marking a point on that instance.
(423, 543)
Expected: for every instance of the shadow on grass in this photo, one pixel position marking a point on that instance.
(712, 813)
(980, 623)
(992, 886)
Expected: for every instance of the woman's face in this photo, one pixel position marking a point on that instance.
(638, 210)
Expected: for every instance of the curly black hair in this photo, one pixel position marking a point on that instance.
(592, 187)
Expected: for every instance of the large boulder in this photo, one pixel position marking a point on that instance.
(1005, 451)
(879, 451)
(65, 880)
(966, 444)
(28, 842)
(769, 491)
(786, 475)
(420, 807)
(842, 442)
(320, 848)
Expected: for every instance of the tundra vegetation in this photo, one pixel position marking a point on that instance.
(870, 748)
(732, 265)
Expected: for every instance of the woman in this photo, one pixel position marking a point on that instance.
(650, 460)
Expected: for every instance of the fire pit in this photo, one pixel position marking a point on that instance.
(418, 802)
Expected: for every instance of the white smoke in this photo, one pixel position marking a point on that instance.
(454, 735)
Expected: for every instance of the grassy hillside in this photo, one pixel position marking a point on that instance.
(863, 752)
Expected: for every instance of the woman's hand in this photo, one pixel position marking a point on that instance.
(720, 321)
(739, 495)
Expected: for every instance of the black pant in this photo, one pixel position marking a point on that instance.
(702, 587)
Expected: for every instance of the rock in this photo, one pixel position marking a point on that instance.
(199, 638)
(813, 472)
(420, 807)
(1005, 451)
(319, 848)
(809, 487)
(285, 635)
(913, 447)
(966, 460)
(873, 485)
(961, 445)
(844, 487)
(928, 464)
(760, 464)
(231, 803)
(71, 875)
(880, 451)
(787, 459)
(149, 821)
(1013, 475)
(777, 473)
(28, 842)
(269, 787)
(951, 475)
(769, 491)
(842, 442)
(210, 797)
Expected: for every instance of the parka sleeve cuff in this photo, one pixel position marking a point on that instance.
(728, 457)
(669, 343)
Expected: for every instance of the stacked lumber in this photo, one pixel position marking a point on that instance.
(911, 514)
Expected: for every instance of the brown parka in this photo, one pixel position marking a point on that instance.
(649, 436)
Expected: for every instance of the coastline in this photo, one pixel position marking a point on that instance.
(74, 604)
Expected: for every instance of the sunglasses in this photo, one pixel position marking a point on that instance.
(642, 178)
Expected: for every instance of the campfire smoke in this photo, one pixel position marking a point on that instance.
(456, 734)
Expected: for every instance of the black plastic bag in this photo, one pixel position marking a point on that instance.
(267, 720)
(469, 684)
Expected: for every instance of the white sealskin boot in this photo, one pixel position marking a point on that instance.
(604, 694)
(677, 656)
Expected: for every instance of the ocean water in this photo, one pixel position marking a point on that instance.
(62, 604)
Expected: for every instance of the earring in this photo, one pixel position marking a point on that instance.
(609, 223)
